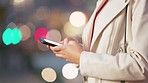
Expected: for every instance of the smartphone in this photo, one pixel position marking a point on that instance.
(48, 42)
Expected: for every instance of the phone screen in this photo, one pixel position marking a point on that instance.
(48, 42)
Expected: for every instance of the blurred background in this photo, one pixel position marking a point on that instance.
(23, 59)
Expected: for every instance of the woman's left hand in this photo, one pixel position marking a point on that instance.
(70, 50)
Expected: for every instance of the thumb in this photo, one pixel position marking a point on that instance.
(48, 46)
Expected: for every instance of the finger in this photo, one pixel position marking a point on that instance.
(52, 48)
(62, 42)
(57, 48)
(47, 46)
(73, 39)
(65, 41)
(60, 56)
(68, 60)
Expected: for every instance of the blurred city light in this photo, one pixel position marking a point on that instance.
(13, 36)
(53, 20)
(26, 32)
(42, 13)
(40, 32)
(31, 27)
(71, 30)
(17, 36)
(7, 36)
(22, 7)
(18, 1)
(54, 35)
(70, 71)
(11, 25)
(77, 19)
(49, 74)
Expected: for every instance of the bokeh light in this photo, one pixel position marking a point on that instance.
(32, 28)
(26, 32)
(48, 74)
(40, 32)
(17, 36)
(18, 1)
(7, 36)
(23, 6)
(42, 13)
(13, 36)
(77, 19)
(54, 35)
(11, 25)
(53, 19)
(71, 30)
(70, 71)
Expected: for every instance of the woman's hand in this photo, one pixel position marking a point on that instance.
(70, 50)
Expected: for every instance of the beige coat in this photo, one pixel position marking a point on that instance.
(101, 62)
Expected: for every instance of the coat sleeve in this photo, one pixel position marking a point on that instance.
(130, 66)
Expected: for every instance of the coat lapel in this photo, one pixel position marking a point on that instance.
(87, 33)
(108, 13)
